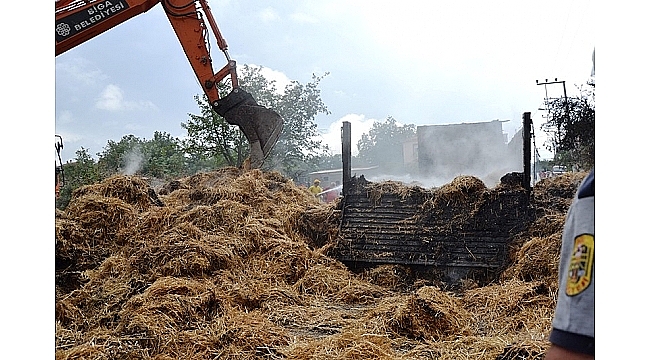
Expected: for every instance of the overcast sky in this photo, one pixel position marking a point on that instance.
(420, 62)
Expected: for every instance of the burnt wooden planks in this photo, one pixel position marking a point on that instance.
(414, 226)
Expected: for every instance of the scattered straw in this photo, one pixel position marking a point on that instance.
(232, 264)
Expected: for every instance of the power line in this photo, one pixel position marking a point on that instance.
(559, 46)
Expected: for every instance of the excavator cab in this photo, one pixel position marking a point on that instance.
(78, 21)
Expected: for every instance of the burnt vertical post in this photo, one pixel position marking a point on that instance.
(526, 133)
(346, 155)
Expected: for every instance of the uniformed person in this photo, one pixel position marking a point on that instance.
(315, 189)
(572, 336)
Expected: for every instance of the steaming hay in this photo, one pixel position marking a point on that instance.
(376, 190)
(461, 196)
(460, 190)
(233, 266)
(132, 190)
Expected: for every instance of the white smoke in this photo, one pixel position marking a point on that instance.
(473, 149)
(133, 161)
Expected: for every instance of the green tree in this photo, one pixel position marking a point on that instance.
(298, 148)
(383, 144)
(122, 157)
(81, 171)
(329, 161)
(161, 157)
(210, 139)
(571, 129)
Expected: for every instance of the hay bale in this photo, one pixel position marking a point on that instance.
(170, 304)
(245, 334)
(456, 201)
(547, 225)
(97, 303)
(427, 314)
(133, 190)
(324, 279)
(70, 242)
(192, 319)
(331, 279)
(182, 254)
(102, 216)
(359, 292)
(350, 344)
(101, 344)
(377, 189)
(319, 224)
(469, 347)
(511, 307)
(460, 190)
(555, 194)
(537, 260)
(389, 276)
(89, 232)
(281, 260)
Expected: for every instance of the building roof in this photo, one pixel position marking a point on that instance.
(333, 171)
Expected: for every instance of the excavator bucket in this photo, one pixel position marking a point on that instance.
(261, 126)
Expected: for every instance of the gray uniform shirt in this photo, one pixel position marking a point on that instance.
(573, 324)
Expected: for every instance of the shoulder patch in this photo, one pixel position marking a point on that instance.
(581, 265)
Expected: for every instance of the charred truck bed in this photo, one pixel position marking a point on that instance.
(461, 229)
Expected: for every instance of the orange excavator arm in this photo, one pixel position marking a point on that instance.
(78, 21)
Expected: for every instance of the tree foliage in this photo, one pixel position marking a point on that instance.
(383, 144)
(571, 129)
(161, 157)
(81, 171)
(209, 136)
(298, 149)
(123, 156)
(210, 139)
(329, 161)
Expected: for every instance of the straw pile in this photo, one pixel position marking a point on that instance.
(233, 264)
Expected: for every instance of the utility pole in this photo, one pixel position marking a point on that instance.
(566, 101)
(346, 155)
(526, 134)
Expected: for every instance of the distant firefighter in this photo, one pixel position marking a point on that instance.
(316, 190)
(331, 192)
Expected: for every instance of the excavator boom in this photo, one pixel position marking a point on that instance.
(78, 21)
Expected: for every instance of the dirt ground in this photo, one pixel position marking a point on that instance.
(235, 264)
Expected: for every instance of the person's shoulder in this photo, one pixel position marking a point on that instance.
(587, 187)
